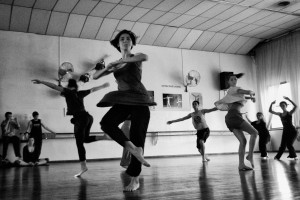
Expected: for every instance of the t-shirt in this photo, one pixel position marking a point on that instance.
(199, 121)
(231, 97)
(74, 100)
(10, 129)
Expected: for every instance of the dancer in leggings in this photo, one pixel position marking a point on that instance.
(233, 102)
(289, 132)
(263, 132)
(200, 125)
(131, 99)
(82, 120)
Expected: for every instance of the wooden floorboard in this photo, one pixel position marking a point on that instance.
(167, 178)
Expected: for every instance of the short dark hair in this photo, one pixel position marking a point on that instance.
(35, 113)
(196, 101)
(283, 102)
(115, 41)
(7, 113)
(72, 83)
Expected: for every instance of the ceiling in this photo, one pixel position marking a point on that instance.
(224, 26)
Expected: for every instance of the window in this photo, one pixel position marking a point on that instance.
(283, 90)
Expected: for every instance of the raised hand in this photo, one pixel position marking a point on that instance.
(273, 102)
(36, 81)
(169, 122)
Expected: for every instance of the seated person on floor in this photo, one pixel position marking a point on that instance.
(9, 128)
(31, 155)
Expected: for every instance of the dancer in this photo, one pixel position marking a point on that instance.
(82, 120)
(263, 132)
(289, 132)
(34, 130)
(200, 125)
(233, 102)
(131, 99)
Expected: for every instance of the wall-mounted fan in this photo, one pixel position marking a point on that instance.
(65, 71)
(192, 79)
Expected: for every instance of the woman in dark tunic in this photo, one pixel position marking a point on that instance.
(131, 99)
(31, 155)
(289, 133)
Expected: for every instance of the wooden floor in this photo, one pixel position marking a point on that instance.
(168, 178)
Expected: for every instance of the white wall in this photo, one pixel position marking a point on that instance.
(28, 56)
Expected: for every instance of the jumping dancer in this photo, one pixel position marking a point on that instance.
(263, 132)
(200, 125)
(82, 120)
(289, 132)
(34, 130)
(131, 99)
(233, 102)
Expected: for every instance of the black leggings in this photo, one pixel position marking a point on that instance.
(16, 143)
(140, 116)
(289, 135)
(262, 143)
(82, 126)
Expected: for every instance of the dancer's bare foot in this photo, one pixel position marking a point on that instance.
(138, 153)
(133, 185)
(244, 168)
(83, 169)
(250, 158)
(205, 159)
(81, 172)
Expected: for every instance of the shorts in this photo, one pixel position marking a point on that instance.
(234, 119)
(202, 134)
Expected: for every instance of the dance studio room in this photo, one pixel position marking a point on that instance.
(149, 99)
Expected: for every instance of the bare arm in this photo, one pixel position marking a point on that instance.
(94, 89)
(48, 84)
(271, 109)
(180, 119)
(48, 129)
(248, 119)
(209, 110)
(250, 92)
(295, 105)
(29, 127)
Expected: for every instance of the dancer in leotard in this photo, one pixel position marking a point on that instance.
(131, 99)
(233, 102)
(289, 133)
(200, 125)
(82, 120)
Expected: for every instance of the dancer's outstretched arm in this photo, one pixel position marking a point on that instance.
(48, 84)
(295, 105)
(180, 119)
(242, 91)
(209, 110)
(94, 89)
(48, 129)
(271, 109)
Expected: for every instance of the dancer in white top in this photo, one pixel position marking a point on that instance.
(233, 102)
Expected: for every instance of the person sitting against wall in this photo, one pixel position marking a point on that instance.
(9, 128)
(31, 155)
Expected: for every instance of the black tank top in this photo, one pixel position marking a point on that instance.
(36, 129)
(286, 120)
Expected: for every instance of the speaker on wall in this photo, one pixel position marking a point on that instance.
(224, 80)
